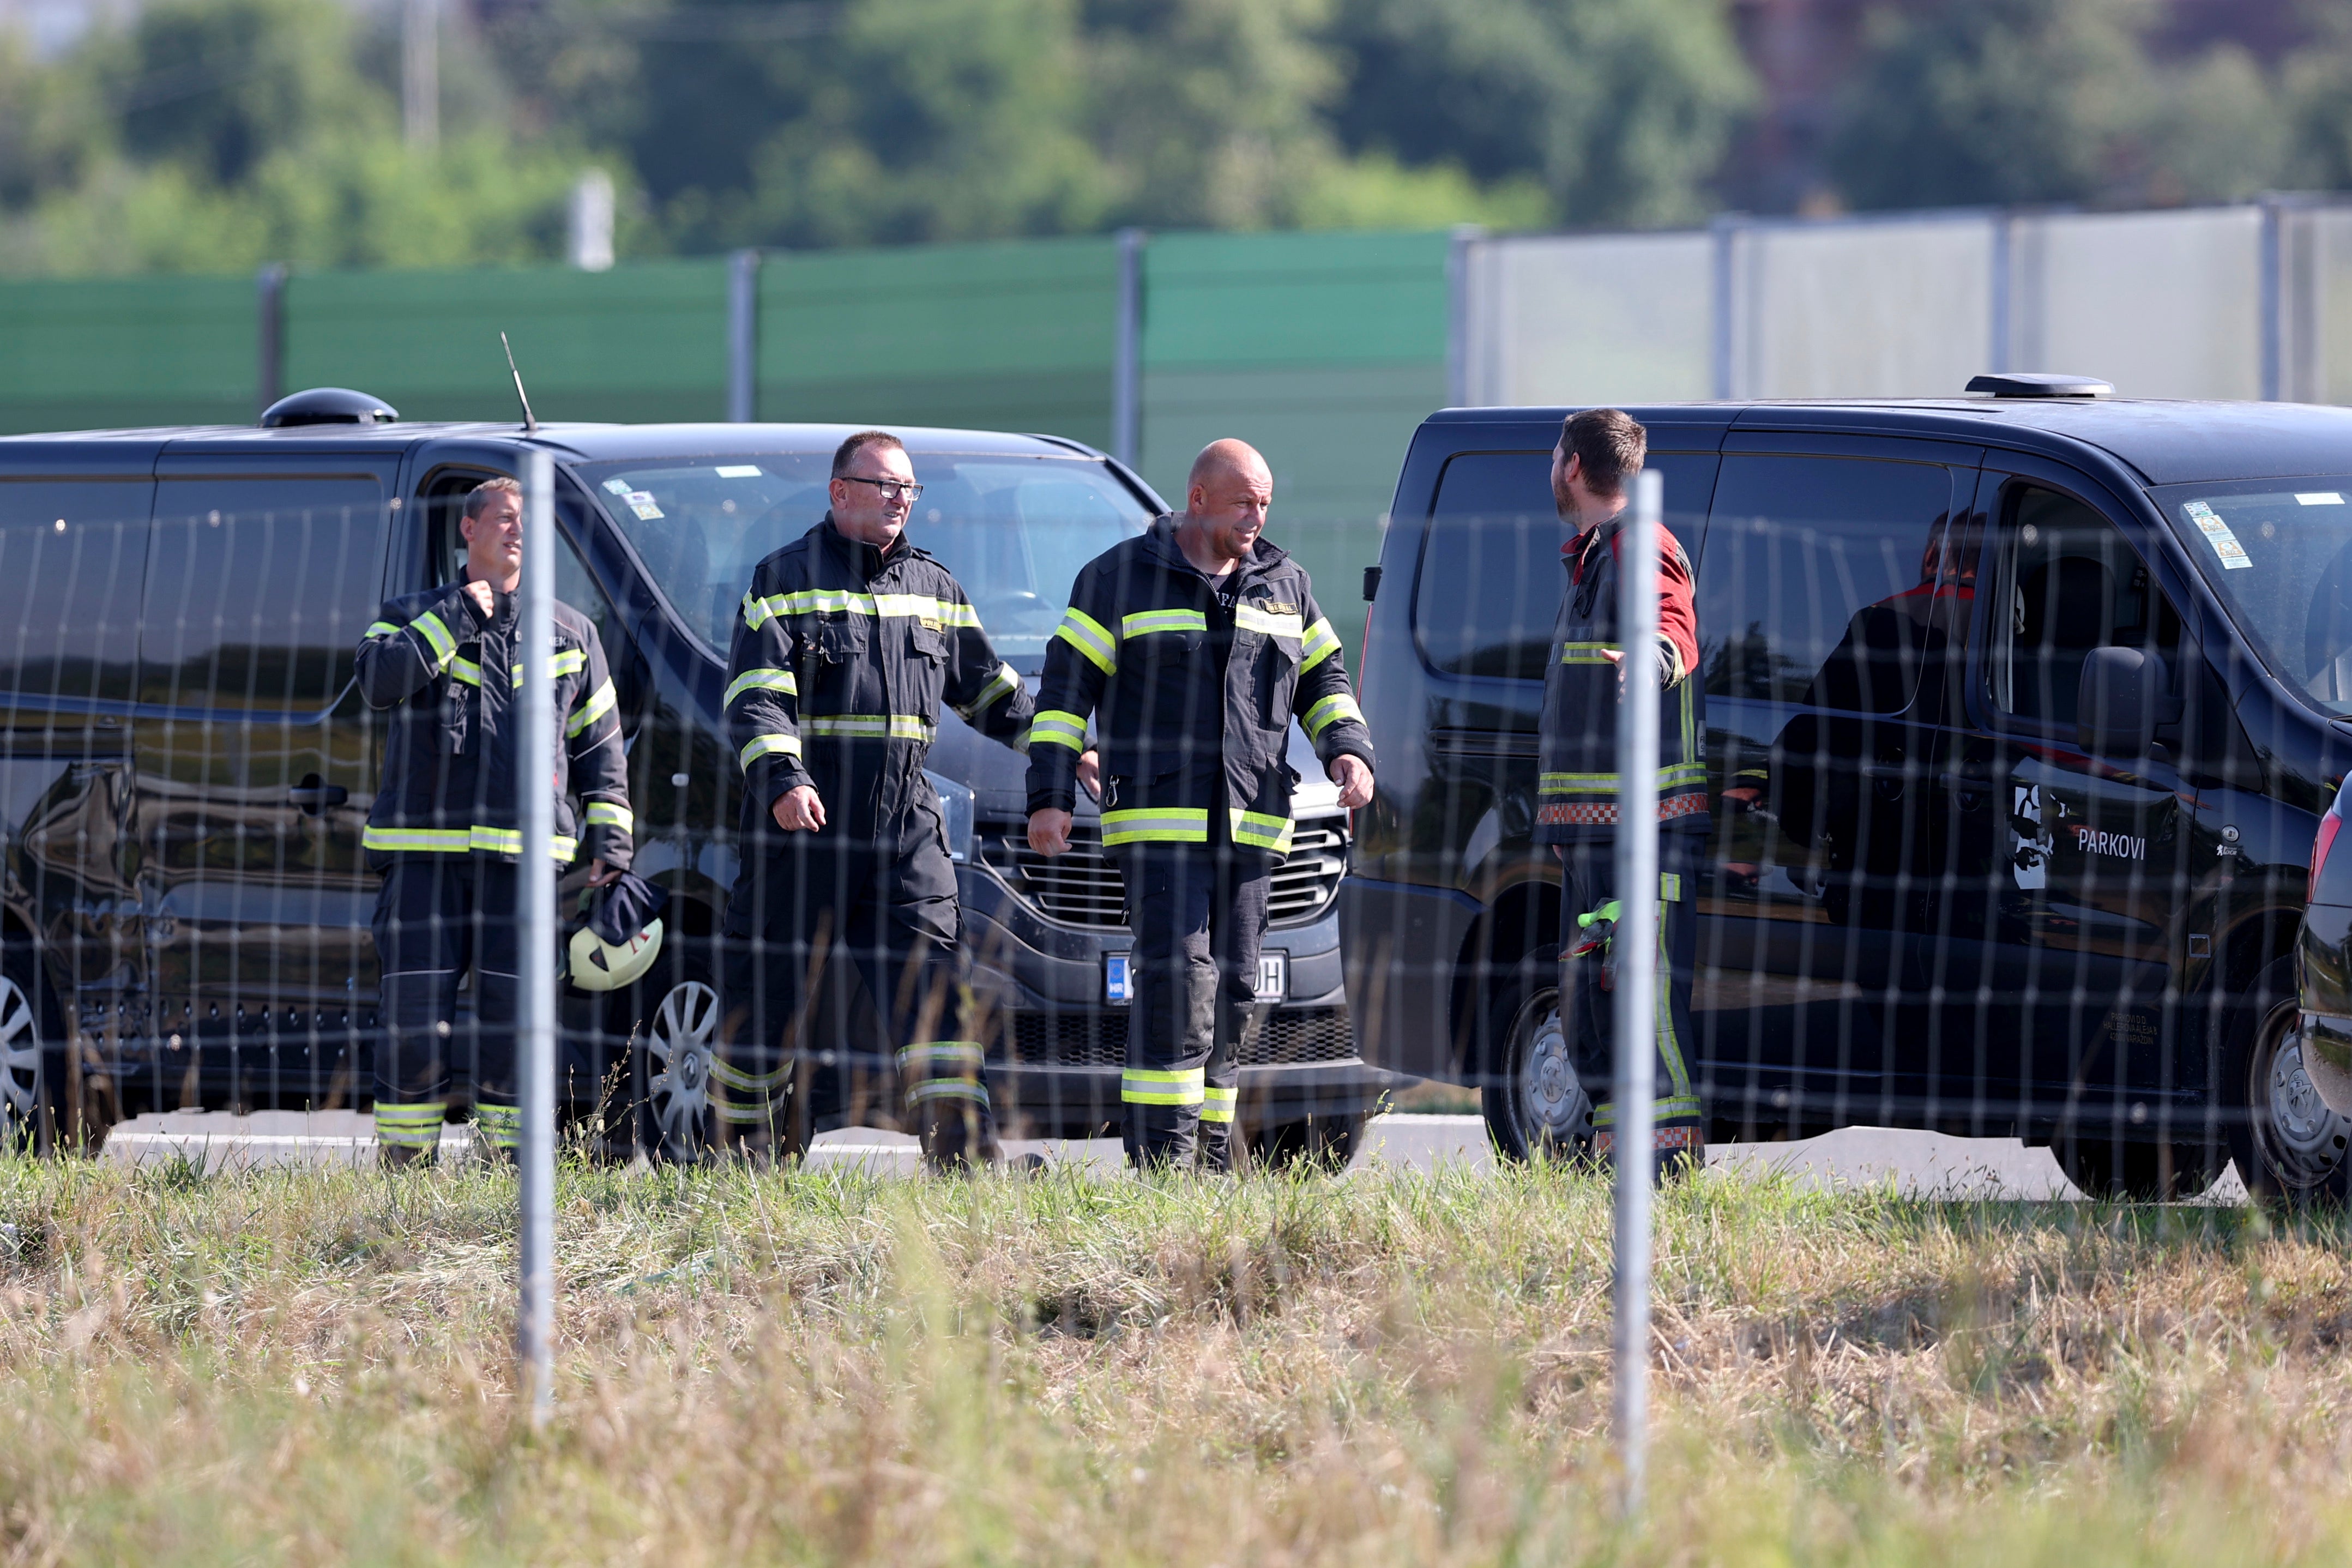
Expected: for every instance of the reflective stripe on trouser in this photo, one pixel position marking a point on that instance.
(1198, 914)
(438, 917)
(811, 911)
(409, 1126)
(1590, 882)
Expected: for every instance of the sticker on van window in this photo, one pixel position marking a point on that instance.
(642, 503)
(740, 471)
(2217, 534)
(618, 487)
(2319, 498)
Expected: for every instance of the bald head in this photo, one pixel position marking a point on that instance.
(1228, 458)
(1224, 505)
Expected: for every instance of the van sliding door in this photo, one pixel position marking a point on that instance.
(256, 762)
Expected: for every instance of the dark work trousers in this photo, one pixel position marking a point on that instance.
(886, 907)
(1588, 1011)
(1198, 914)
(438, 917)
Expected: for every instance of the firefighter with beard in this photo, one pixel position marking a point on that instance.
(1193, 647)
(848, 641)
(1599, 452)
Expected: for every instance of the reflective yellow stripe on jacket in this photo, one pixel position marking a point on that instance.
(458, 841)
(1085, 633)
(1051, 726)
(1259, 830)
(1330, 712)
(1157, 824)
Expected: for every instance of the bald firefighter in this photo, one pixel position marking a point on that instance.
(1192, 648)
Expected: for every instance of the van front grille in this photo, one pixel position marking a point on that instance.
(1099, 1039)
(1082, 887)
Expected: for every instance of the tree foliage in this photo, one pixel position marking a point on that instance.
(1964, 101)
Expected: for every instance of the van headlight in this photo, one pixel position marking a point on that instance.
(956, 812)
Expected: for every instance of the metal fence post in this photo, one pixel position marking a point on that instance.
(269, 305)
(2271, 285)
(742, 337)
(1127, 352)
(535, 1322)
(1723, 286)
(1635, 949)
(1457, 312)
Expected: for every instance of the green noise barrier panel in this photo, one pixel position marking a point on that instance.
(1016, 336)
(1323, 351)
(644, 342)
(104, 352)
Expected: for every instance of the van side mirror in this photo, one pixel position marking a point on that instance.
(2119, 702)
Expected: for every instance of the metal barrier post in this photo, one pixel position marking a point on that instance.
(1635, 948)
(535, 1322)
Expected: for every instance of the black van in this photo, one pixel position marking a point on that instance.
(2021, 712)
(184, 764)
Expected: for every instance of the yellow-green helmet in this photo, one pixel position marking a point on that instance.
(599, 965)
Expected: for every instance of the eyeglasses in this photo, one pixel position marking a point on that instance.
(892, 490)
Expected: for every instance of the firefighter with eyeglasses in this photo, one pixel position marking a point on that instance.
(849, 639)
(444, 832)
(1192, 649)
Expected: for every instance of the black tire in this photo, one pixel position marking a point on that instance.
(43, 1107)
(1327, 1144)
(1529, 1093)
(2288, 1146)
(677, 1015)
(2136, 1173)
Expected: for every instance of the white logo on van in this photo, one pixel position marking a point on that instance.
(2117, 846)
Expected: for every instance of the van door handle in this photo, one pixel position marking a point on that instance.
(314, 794)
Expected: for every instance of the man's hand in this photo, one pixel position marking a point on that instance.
(601, 875)
(799, 810)
(1049, 831)
(479, 591)
(1354, 779)
(1091, 773)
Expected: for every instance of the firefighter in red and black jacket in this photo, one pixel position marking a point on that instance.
(1194, 649)
(848, 641)
(444, 828)
(1600, 451)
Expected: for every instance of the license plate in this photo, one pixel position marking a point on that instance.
(1274, 976)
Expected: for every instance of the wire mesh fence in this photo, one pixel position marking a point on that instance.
(2001, 837)
(245, 874)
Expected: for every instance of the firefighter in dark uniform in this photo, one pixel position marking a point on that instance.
(1192, 648)
(444, 829)
(848, 640)
(1599, 453)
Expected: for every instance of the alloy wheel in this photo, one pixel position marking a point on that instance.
(678, 1040)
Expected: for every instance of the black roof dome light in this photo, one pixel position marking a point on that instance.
(328, 405)
(2041, 384)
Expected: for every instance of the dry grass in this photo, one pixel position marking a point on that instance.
(1385, 1368)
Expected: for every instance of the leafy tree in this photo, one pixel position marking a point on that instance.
(1964, 101)
(1619, 109)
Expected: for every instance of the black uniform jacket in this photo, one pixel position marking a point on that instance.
(453, 677)
(841, 657)
(1576, 779)
(1179, 737)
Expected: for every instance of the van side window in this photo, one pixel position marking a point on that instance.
(1491, 577)
(2067, 583)
(1823, 578)
(259, 589)
(73, 556)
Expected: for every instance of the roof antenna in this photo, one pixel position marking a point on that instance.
(530, 425)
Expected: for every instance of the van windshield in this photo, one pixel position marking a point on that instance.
(2279, 555)
(1014, 529)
